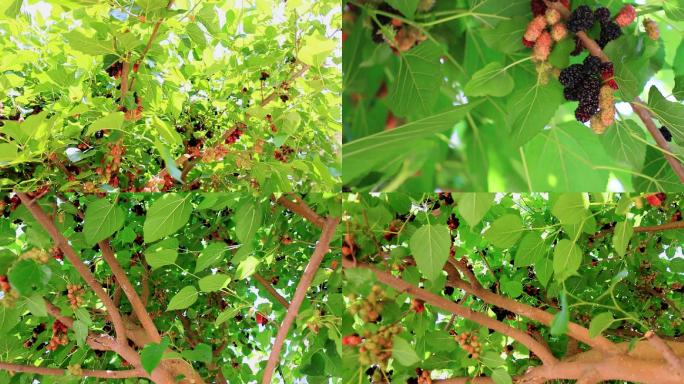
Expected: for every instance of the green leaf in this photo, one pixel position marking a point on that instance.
(501, 376)
(430, 247)
(213, 283)
(248, 219)
(162, 253)
(210, 255)
(36, 305)
(113, 121)
(403, 352)
(492, 359)
(167, 215)
(183, 299)
(246, 268)
(567, 258)
(473, 206)
(227, 315)
(166, 132)
(559, 324)
(600, 323)
(315, 49)
(89, 45)
(570, 208)
(492, 80)
(363, 155)
(406, 7)
(505, 36)
(196, 35)
(532, 106)
(12, 11)
(151, 355)
(9, 317)
(531, 250)
(8, 152)
(27, 277)
(674, 9)
(413, 91)
(102, 219)
(81, 331)
(505, 231)
(624, 142)
(621, 236)
(670, 113)
(201, 353)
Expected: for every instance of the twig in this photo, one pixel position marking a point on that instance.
(295, 204)
(402, 286)
(75, 260)
(103, 374)
(122, 280)
(300, 293)
(269, 288)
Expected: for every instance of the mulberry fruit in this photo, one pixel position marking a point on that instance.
(591, 64)
(609, 32)
(666, 133)
(552, 16)
(425, 5)
(542, 48)
(527, 43)
(581, 19)
(597, 126)
(626, 15)
(571, 94)
(538, 7)
(571, 75)
(651, 29)
(585, 111)
(558, 32)
(535, 28)
(602, 15)
(99, 134)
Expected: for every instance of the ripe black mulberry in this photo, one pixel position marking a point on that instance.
(582, 18)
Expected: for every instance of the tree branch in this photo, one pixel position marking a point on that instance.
(404, 287)
(643, 114)
(125, 284)
(295, 204)
(300, 293)
(42, 219)
(675, 362)
(293, 77)
(271, 290)
(103, 374)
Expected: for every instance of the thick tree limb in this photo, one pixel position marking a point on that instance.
(643, 114)
(47, 224)
(430, 298)
(300, 293)
(103, 374)
(125, 284)
(269, 288)
(295, 204)
(676, 363)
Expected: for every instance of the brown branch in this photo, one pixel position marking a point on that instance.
(295, 204)
(61, 242)
(153, 36)
(643, 114)
(269, 288)
(192, 338)
(103, 374)
(574, 330)
(125, 284)
(124, 81)
(145, 282)
(428, 297)
(675, 362)
(651, 228)
(300, 293)
(293, 77)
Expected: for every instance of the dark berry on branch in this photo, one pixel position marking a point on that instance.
(592, 64)
(609, 32)
(602, 15)
(538, 7)
(666, 133)
(582, 18)
(571, 94)
(586, 110)
(264, 76)
(99, 134)
(572, 75)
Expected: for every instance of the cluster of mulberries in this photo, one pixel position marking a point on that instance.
(583, 18)
(539, 6)
(584, 83)
(405, 36)
(542, 31)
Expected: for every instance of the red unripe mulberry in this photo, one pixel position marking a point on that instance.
(542, 48)
(351, 340)
(626, 15)
(558, 32)
(535, 28)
